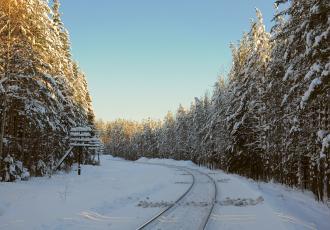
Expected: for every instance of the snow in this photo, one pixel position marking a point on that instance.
(283, 208)
(2, 89)
(323, 137)
(325, 146)
(285, 99)
(316, 82)
(102, 197)
(2, 81)
(257, 205)
(315, 68)
(326, 141)
(123, 195)
(288, 73)
(309, 39)
(315, 9)
(325, 72)
(322, 36)
(81, 129)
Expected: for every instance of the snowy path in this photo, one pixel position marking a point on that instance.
(123, 195)
(196, 206)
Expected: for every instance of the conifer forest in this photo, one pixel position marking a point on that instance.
(268, 119)
(251, 153)
(43, 92)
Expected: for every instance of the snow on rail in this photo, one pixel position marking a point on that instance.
(160, 217)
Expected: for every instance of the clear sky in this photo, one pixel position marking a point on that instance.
(145, 57)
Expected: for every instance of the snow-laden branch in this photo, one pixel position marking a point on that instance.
(2, 89)
(3, 80)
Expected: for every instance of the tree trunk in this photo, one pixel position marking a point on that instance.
(5, 103)
(2, 131)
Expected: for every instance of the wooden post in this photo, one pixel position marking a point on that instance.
(79, 159)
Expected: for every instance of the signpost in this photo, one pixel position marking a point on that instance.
(80, 138)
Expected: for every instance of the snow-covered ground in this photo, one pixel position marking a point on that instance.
(123, 195)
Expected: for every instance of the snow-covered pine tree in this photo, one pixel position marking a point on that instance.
(256, 113)
(149, 136)
(237, 106)
(246, 112)
(167, 136)
(198, 145)
(181, 130)
(216, 136)
(307, 76)
(27, 34)
(276, 122)
(64, 48)
(38, 108)
(195, 126)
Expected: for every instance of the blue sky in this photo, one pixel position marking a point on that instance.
(145, 57)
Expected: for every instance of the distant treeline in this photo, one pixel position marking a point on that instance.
(42, 91)
(270, 118)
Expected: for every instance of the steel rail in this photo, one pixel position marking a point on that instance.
(173, 204)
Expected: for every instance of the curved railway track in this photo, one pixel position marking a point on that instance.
(173, 207)
(213, 200)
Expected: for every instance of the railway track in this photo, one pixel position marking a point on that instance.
(213, 200)
(157, 219)
(171, 206)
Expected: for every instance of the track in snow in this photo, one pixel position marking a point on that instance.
(192, 210)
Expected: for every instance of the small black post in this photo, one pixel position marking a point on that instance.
(79, 158)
